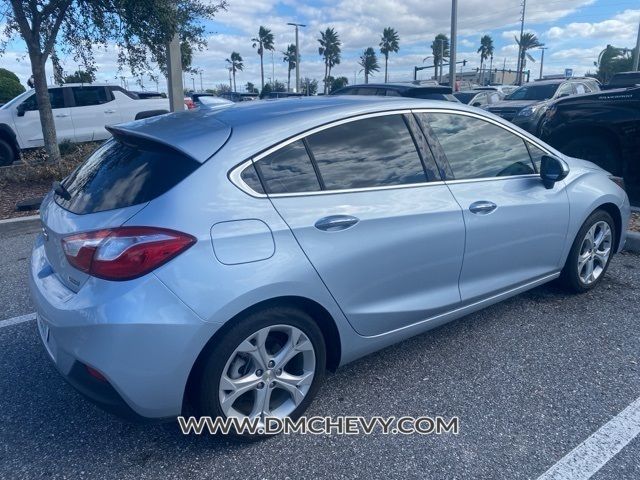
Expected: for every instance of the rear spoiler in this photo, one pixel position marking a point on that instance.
(196, 134)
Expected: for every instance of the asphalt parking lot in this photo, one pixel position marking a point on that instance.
(530, 379)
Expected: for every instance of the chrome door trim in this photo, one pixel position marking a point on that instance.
(235, 174)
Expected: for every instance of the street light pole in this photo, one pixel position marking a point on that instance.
(636, 55)
(452, 44)
(542, 60)
(296, 25)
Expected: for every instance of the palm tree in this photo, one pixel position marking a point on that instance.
(290, 58)
(330, 51)
(369, 63)
(527, 42)
(389, 42)
(440, 50)
(235, 65)
(264, 41)
(485, 51)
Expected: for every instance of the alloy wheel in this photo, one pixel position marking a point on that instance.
(268, 374)
(594, 252)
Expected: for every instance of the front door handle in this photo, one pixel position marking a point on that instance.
(335, 223)
(62, 115)
(483, 207)
(109, 111)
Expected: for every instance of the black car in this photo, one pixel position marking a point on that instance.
(624, 80)
(526, 106)
(413, 90)
(602, 127)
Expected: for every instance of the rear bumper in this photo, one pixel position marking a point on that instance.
(137, 334)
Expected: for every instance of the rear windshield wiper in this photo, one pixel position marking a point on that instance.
(59, 190)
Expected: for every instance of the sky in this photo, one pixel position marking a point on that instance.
(575, 31)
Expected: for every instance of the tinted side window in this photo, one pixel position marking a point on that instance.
(86, 96)
(479, 149)
(250, 176)
(56, 97)
(288, 170)
(373, 152)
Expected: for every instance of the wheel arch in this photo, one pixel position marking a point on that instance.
(320, 315)
(613, 210)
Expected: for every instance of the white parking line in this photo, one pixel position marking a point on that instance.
(591, 455)
(15, 320)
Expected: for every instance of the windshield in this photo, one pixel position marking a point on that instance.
(534, 92)
(16, 100)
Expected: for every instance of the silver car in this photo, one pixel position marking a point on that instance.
(224, 259)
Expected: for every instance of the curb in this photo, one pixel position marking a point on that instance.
(633, 242)
(16, 226)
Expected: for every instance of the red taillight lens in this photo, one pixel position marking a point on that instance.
(124, 253)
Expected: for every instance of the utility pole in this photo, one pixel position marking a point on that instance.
(296, 25)
(542, 60)
(491, 79)
(453, 45)
(504, 66)
(201, 89)
(174, 75)
(636, 55)
(441, 59)
(518, 73)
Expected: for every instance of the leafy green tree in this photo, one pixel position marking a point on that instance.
(251, 88)
(389, 43)
(440, 51)
(613, 60)
(264, 41)
(308, 86)
(337, 83)
(330, 50)
(290, 58)
(81, 76)
(369, 62)
(485, 51)
(138, 30)
(4, 73)
(9, 88)
(235, 64)
(527, 42)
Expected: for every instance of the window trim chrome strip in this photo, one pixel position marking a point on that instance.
(235, 175)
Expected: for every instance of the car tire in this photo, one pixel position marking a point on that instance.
(7, 154)
(574, 276)
(223, 354)
(598, 150)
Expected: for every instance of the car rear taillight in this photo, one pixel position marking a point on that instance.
(124, 253)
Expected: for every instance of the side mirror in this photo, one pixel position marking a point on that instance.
(20, 110)
(476, 104)
(552, 170)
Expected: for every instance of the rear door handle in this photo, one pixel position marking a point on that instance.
(62, 115)
(335, 223)
(483, 207)
(109, 111)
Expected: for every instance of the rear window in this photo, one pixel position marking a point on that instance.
(120, 175)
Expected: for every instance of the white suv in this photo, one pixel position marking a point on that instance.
(80, 112)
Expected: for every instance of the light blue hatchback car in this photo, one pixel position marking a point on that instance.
(224, 259)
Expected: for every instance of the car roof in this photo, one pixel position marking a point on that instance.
(200, 133)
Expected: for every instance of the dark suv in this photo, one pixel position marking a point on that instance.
(413, 90)
(602, 127)
(526, 106)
